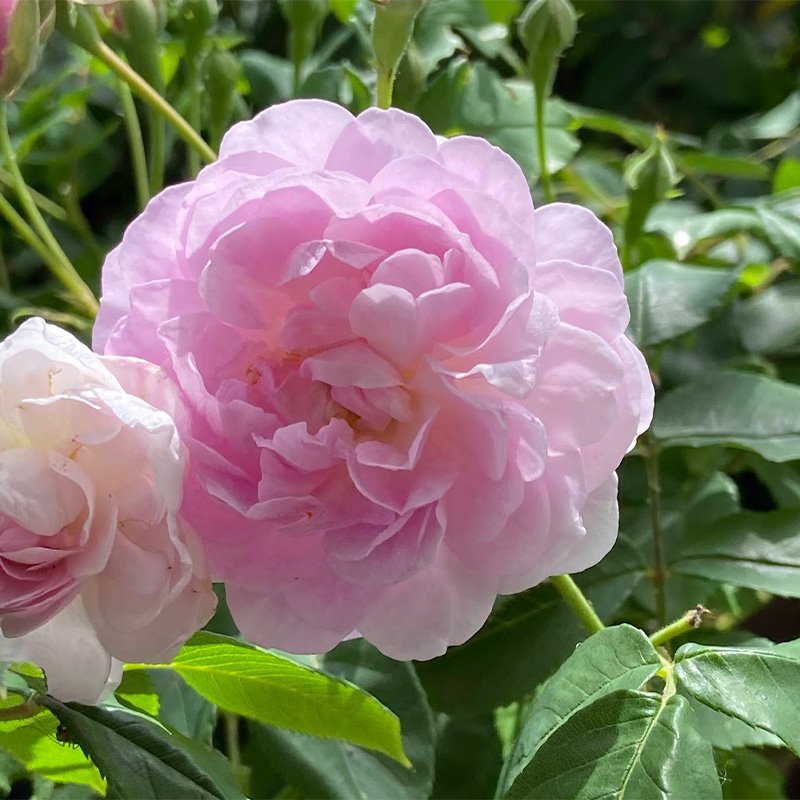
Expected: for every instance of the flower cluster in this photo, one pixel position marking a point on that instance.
(402, 389)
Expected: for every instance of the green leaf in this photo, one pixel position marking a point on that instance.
(181, 708)
(781, 230)
(736, 409)
(768, 322)
(668, 298)
(259, 685)
(752, 549)
(616, 658)
(704, 163)
(787, 175)
(728, 733)
(750, 775)
(343, 9)
(137, 692)
(649, 176)
(782, 120)
(10, 771)
(329, 769)
(628, 745)
(478, 738)
(782, 480)
(213, 763)
(32, 741)
(756, 686)
(473, 99)
(505, 660)
(138, 759)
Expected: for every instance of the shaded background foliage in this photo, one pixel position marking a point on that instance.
(712, 264)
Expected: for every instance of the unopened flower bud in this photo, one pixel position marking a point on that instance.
(305, 18)
(24, 26)
(649, 176)
(392, 29)
(546, 28)
(196, 18)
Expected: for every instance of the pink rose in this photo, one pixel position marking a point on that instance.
(91, 546)
(406, 391)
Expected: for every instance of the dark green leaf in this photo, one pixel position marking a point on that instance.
(756, 686)
(668, 298)
(627, 745)
(736, 409)
(728, 733)
(478, 740)
(704, 163)
(757, 550)
(615, 658)
(138, 759)
(750, 775)
(768, 322)
(181, 708)
(213, 763)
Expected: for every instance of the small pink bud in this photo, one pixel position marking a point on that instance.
(24, 26)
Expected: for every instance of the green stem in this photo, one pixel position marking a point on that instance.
(578, 601)
(5, 283)
(231, 726)
(654, 501)
(26, 233)
(59, 264)
(44, 203)
(78, 221)
(385, 89)
(142, 89)
(195, 110)
(157, 141)
(686, 623)
(135, 142)
(541, 145)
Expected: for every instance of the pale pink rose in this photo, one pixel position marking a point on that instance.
(77, 666)
(406, 391)
(91, 544)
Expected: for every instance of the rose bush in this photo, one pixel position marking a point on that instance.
(95, 564)
(405, 390)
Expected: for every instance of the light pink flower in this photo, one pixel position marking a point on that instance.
(91, 545)
(407, 391)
